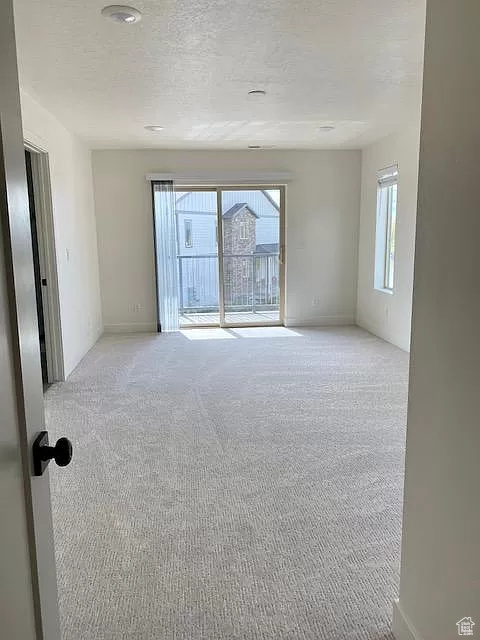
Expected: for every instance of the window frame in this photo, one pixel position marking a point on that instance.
(389, 267)
(187, 224)
(243, 230)
(386, 218)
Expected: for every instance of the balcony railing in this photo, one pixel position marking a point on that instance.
(251, 282)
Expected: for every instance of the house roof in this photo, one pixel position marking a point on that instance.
(179, 198)
(237, 208)
(270, 199)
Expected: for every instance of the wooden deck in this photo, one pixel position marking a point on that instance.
(231, 318)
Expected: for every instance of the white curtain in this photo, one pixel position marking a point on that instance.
(166, 255)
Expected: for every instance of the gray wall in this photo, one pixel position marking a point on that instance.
(440, 569)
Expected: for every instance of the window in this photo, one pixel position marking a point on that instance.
(244, 231)
(188, 234)
(385, 235)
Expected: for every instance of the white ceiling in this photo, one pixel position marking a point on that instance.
(189, 64)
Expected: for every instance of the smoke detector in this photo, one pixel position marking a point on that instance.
(122, 14)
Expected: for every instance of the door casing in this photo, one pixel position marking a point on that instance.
(48, 261)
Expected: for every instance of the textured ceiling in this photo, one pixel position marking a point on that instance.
(189, 64)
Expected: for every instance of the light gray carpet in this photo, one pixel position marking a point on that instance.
(247, 488)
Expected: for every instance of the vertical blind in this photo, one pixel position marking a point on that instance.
(166, 255)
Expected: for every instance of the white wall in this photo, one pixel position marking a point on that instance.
(388, 314)
(440, 567)
(321, 229)
(75, 230)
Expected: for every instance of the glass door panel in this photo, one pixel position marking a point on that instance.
(197, 255)
(251, 222)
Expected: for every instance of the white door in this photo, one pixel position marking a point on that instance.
(28, 592)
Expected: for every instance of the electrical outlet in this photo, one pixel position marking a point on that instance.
(137, 307)
(315, 301)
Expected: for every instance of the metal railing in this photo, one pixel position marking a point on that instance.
(251, 282)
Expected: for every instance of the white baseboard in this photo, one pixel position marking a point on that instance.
(402, 628)
(320, 321)
(134, 327)
(384, 333)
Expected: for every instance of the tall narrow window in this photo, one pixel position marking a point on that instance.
(188, 234)
(243, 231)
(385, 234)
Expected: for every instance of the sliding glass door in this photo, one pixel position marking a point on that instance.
(228, 256)
(251, 250)
(197, 251)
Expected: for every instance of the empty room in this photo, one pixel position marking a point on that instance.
(216, 257)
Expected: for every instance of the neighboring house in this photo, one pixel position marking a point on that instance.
(250, 228)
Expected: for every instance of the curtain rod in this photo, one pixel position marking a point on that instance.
(222, 178)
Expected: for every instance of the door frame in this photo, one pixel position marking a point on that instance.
(221, 282)
(42, 194)
(281, 250)
(221, 279)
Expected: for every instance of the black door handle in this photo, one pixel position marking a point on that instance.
(42, 453)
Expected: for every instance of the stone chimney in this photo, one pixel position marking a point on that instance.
(239, 244)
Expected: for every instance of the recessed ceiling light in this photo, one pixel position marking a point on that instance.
(154, 127)
(257, 93)
(326, 128)
(122, 14)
